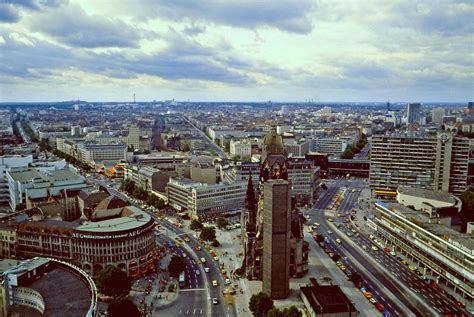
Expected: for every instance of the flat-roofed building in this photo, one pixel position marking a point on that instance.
(419, 160)
(33, 184)
(92, 153)
(11, 163)
(331, 146)
(439, 250)
(327, 300)
(240, 148)
(203, 200)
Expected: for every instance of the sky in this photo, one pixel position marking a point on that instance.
(236, 50)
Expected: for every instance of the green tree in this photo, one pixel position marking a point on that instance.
(260, 304)
(112, 281)
(195, 225)
(292, 311)
(176, 266)
(123, 307)
(208, 233)
(215, 243)
(140, 193)
(128, 186)
(221, 222)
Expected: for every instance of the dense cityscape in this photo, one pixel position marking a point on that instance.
(236, 158)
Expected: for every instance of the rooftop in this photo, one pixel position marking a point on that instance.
(328, 299)
(45, 176)
(64, 292)
(427, 194)
(135, 217)
(420, 218)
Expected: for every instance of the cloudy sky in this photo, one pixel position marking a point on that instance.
(52, 50)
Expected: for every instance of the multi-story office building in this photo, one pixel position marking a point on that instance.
(331, 146)
(297, 148)
(413, 113)
(304, 177)
(437, 115)
(75, 130)
(205, 200)
(437, 249)
(240, 148)
(276, 238)
(425, 161)
(31, 184)
(91, 153)
(7, 164)
(146, 177)
(133, 138)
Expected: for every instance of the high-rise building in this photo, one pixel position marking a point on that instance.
(284, 111)
(413, 113)
(133, 138)
(75, 130)
(276, 238)
(425, 161)
(437, 115)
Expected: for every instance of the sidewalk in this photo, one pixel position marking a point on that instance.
(153, 291)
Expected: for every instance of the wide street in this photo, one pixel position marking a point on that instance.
(384, 275)
(196, 297)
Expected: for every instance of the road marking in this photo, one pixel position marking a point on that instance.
(192, 289)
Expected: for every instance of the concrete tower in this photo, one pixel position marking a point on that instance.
(276, 238)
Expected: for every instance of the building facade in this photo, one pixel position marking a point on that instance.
(413, 113)
(241, 148)
(276, 238)
(437, 249)
(205, 200)
(331, 146)
(7, 164)
(432, 162)
(123, 237)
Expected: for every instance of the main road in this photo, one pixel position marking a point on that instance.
(389, 273)
(218, 150)
(188, 303)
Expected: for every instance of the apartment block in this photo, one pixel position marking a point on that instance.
(437, 162)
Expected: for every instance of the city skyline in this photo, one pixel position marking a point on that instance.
(252, 51)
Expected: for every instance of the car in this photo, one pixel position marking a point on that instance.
(223, 271)
(215, 283)
(404, 262)
(186, 239)
(388, 250)
(197, 248)
(316, 224)
(227, 281)
(203, 260)
(329, 232)
(379, 307)
(412, 267)
(374, 248)
(338, 241)
(198, 272)
(216, 258)
(373, 300)
(392, 253)
(342, 267)
(215, 301)
(368, 295)
(206, 269)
